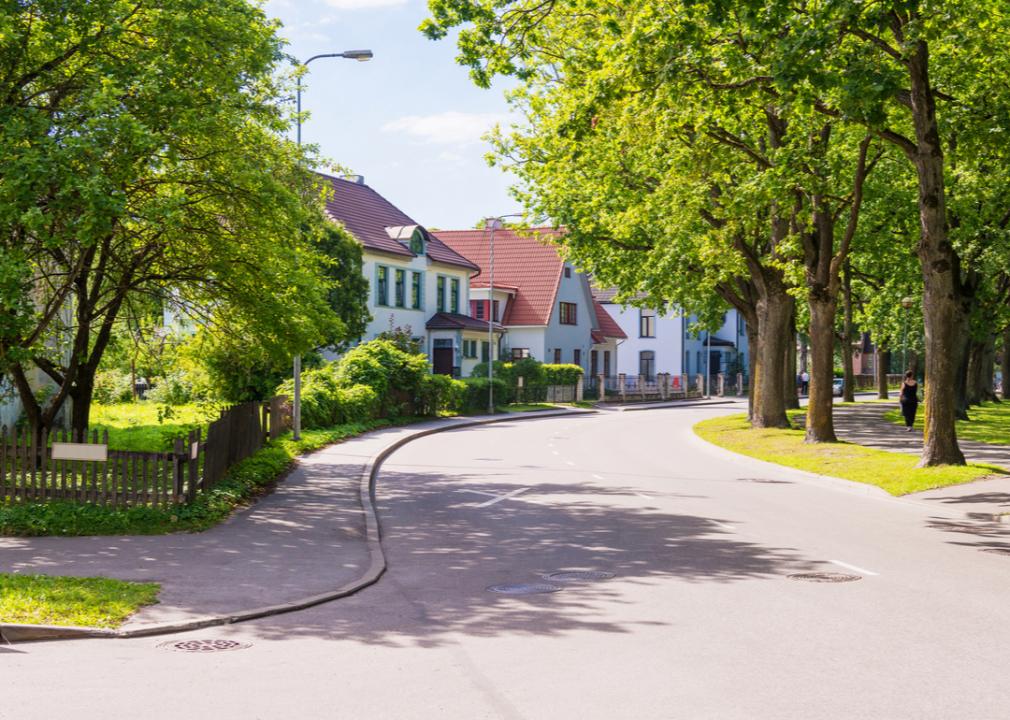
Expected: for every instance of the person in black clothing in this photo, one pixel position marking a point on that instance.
(909, 400)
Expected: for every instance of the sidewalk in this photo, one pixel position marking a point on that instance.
(865, 424)
(307, 538)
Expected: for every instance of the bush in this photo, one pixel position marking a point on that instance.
(562, 374)
(476, 395)
(440, 393)
(395, 376)
(326, 402)
(173, 389)
(111, 387)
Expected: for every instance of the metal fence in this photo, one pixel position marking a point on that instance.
(82, 469)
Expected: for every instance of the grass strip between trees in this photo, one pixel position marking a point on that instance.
(243, 482)
(59, 600)
(894, 472)
(990, 423)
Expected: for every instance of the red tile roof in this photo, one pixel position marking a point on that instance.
(366, 215)
(608, 326)
(525, 261)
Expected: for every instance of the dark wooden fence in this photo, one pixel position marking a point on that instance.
(33, 469)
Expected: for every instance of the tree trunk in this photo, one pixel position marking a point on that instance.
(849, 387)
(81, 396)
(753, 348)
(774, 311)
(789, 382)
(938, 260)
(980, 371)
(820, 425)
(1005, 364)
(881, 366)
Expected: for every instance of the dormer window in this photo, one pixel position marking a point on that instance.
(417, 242)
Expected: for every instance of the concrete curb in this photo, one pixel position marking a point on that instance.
(14, 632)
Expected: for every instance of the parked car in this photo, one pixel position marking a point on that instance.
(838, 388)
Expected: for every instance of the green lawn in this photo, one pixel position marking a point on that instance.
(137, 426)
(54, 600)
(990, 423)
(894, 472)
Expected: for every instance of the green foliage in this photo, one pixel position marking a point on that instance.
(327, 402)
(441, 394)
(147, 426)
(475, 399)
(86, 602)
(562, 374)
(347, 286)
(395, 376)
(112, 386)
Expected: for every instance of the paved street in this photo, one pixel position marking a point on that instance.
(699, 621)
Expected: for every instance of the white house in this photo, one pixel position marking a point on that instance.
(544, 304)
(416, 281)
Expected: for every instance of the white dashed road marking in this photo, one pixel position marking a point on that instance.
(853, 567)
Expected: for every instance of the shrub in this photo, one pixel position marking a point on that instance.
(562, 374)
(357, 403)
(476, 394)
(395, 376)
(326, 402)
(440, 393)
(502, 370)
(111, 387)
(173, 389)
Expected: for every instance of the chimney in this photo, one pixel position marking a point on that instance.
(356, 179)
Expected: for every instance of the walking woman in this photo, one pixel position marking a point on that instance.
(909, 400)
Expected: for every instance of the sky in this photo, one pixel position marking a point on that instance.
(409, 120)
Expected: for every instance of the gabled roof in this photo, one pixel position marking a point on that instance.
(366, 215)
(525, 261)
(455, 321)
(608, 327)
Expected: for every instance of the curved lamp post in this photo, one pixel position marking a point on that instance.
(360, 56)
(492, 224)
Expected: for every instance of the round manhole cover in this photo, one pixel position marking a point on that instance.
(997, 551)
(824, 577)
(573, 575)
(524, 588)
(204, 646)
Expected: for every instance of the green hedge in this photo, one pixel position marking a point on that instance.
(476, 396)
(562, 374)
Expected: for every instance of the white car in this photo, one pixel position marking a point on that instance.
(838, 388)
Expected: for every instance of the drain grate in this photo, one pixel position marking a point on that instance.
(764, 481)
(824, 577)
(570, 575)
(997, 551)
(524, 588)
(204, 646)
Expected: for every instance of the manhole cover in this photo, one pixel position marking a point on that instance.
(524, 588)
(997, 551)
(764, 481)
(824, 577)
(569, 575)
(204, 646)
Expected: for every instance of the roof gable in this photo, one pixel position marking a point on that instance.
(526, 262)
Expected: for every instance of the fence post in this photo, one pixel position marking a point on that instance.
(194, 464)
(602, 380)
(722, 384)
(622, 385)
(579, 389)
(664, 385)
(178, 457)
(641, 386)
(739, 385)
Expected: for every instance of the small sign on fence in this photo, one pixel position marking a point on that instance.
(194, 450)
(80, 451)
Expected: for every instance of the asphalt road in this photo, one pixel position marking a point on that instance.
(701, 618)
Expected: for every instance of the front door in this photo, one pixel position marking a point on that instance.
(442, 357)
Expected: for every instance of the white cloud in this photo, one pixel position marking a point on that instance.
(447, 128)
(363, 4)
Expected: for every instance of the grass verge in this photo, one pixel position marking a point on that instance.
(894, 472)
(148, 426)
(243, 482)
(57, 600)
(990, 423)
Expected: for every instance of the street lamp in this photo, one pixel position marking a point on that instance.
(360, 56)
(907, 303)
(492, 224)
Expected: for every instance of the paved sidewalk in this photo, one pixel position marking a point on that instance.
(305, 538)
(865, 424)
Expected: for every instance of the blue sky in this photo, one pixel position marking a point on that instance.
(410, 120)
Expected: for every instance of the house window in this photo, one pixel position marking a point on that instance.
(494, 307)
(594, 362)
(485, 351)
(415, 291)
(454, 295)
(557, 356)
(568, 314)
(577, 357)
(606, 363)
(647, 364)
(440, 294)
(478, 309)
(470, 349)
(417, 243)
(520, 353)
(400, 287)
(382, 285)
(568, 272)
(647, 323)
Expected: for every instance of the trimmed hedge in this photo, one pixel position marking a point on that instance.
(562, 374)
(476, 395)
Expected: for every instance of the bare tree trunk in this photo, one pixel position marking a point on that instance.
(820, 424)
(938, 261)
(882, 365)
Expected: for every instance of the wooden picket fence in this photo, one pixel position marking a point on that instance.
(30, 473)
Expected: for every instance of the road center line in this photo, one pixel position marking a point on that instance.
(506, 496)
(853, 567)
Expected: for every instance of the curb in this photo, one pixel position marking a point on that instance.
(13, 632)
